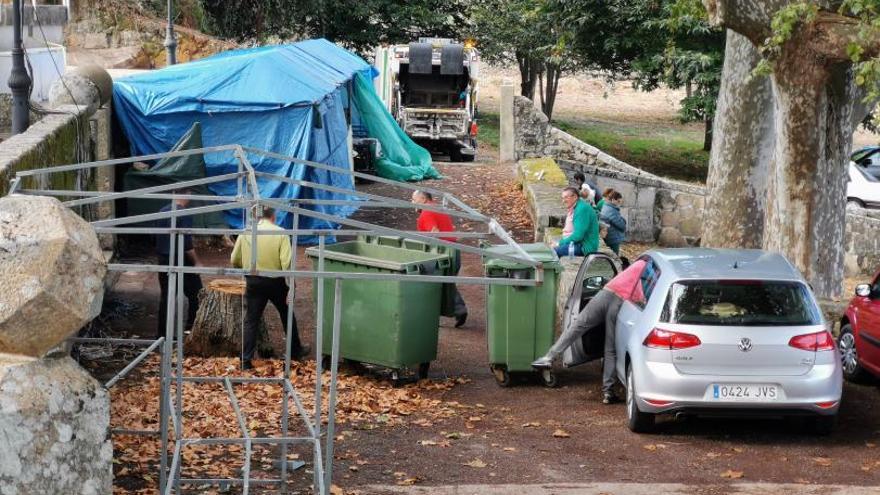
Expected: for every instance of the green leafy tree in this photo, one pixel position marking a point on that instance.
(681, 50)
(536, 35)
(359, 25)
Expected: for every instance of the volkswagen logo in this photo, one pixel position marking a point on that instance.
(745, 344)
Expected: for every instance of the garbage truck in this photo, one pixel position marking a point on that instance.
(430, 87)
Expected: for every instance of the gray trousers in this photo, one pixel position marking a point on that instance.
(602, 308)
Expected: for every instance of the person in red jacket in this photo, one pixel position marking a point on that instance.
(433, 221)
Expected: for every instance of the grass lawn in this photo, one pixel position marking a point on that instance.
(488, 133)
(668, 151)
(673, 151)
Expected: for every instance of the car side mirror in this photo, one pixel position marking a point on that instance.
(863, 290)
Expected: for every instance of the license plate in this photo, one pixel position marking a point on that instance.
(745, 393)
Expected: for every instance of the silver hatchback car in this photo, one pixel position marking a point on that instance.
(722, 332)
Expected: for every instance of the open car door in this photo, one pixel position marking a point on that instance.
(596, 271)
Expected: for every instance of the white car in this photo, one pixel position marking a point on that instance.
(863, 189)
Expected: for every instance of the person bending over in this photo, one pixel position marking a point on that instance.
(603, 308)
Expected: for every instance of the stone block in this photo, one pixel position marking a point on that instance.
(664, 200)
(93, 41)
(691, 225)
(53, 272)
(671, 237)
(669, 219)
(55, 426)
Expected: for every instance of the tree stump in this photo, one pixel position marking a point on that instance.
(219, 324)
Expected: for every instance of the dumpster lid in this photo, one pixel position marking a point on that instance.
(378, 256)
(540, 251)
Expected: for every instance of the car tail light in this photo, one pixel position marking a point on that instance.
(474, 128)
(657, 402)
(666, 339)
(826, 405)
(819, 341)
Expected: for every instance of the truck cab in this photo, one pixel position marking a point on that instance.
(430, 87)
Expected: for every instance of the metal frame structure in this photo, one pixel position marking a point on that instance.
(248, 198)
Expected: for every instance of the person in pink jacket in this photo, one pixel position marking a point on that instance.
(626, 286)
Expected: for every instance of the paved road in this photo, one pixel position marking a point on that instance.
(628, 489)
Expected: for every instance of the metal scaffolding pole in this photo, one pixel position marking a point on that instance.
(175, 271)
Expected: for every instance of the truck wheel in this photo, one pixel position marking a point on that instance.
(456, 155)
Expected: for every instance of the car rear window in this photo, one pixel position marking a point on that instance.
(740, 303)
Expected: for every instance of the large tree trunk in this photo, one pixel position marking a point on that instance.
(813, 95)
(806, 216)
(742, 145)
(219, 323)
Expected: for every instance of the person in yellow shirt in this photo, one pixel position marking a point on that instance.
(273, 253)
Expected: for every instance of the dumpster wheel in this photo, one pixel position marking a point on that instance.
(502, 376)
(549, 378)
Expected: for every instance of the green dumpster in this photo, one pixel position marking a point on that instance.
(447, 301)
(521, 320)
(387, 323)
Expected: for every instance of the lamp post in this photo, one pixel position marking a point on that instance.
(19, 81)
(170, 42)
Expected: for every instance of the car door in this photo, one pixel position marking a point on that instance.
(869, 326)
(596, 270)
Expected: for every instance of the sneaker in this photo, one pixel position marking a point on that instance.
(609, 398)
(247, 365)
(460, 319)
(542, 363)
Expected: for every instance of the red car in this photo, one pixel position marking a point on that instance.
(859, 341)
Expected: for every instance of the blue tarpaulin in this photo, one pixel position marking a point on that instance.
(289, 99)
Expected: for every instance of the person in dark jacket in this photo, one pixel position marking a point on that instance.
(616, 223)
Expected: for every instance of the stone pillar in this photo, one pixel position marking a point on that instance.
(54, 417)
(507, 151)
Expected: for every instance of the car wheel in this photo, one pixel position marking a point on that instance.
(849, 356)
(823, 425)
(638, 421)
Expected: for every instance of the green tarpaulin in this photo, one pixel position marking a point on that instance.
(169, 171)
(402, 159)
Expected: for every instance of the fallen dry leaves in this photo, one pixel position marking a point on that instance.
(654, 447)
(476, 463)
(823, 461)
(363, 402)
(560, 433)
(731, 474)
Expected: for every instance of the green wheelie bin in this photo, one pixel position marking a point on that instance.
(521, 320)
(447, 301)
(389, 323)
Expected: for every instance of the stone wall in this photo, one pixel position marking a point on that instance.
(657, 209)
(69, 134)
(862, 244)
